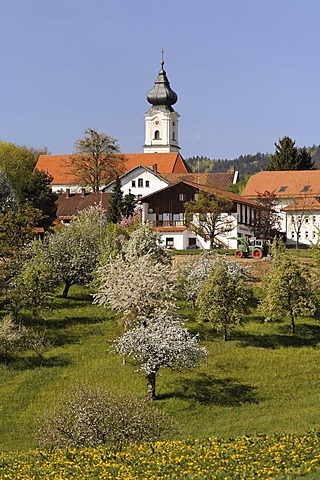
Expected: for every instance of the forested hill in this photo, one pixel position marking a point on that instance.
(245, 164)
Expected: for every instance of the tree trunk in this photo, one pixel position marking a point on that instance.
(151, 386)
(66, 289)
(225, 333)
(293, 327)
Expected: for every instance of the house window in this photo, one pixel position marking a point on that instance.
(173, 136)
(157, 135)
(147, 183)
(314, 218)
(314, 235)
(292, 235)
(182, 197)
(195, 196)
(133, 183)
(140, 182)
(306, 234)
(306, 220)
(283, 188)
(160, 217)
(306, 188)
(169, 242)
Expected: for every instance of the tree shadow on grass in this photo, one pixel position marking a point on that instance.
(208, 390)
(30, 363)
(69, 321)
(306, 336)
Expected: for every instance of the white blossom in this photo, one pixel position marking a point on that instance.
(161, 341)
(135, 287)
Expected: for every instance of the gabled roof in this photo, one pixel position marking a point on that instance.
(303, 205)
(215, 191)
(150, 170)
(69, 205)
(57, 165)
(284, 184)
(220, 180)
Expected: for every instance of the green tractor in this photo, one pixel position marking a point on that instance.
(252, 247)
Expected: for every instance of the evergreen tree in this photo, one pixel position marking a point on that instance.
(288, 157)
(116, 203)
(128, 205)
(305, 160)
(37, 190)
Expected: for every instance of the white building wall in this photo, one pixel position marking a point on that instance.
(309, 227)
(166, 123)
(140, 182)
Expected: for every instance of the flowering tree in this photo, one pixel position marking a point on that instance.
(11, 336)
(91, 416)
(223, 298)
(145, 240)
(193, 276)
(133, 285)
(73, 251)
(160, 341)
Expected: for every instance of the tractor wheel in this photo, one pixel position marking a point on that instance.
(257, 253)
(239, 254)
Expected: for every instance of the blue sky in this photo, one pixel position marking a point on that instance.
(246, 71)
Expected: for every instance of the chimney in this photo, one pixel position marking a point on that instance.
(232, 169)
(67, 192)
(83, 192)
(155, 167)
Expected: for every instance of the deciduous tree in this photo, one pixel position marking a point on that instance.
(96, 161)
(73, 251)
(160, 341)
(266, 216)
(193, 276)
(289, 291)
(7, 196)
(224, 297)
(18, 163)
(134, 285)
(205, 216)
(33, 286)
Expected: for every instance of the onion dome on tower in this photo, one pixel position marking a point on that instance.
(162, 93)
(161, 121)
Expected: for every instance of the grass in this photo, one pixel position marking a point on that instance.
(263, 380)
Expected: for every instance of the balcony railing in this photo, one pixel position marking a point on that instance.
(168, 223)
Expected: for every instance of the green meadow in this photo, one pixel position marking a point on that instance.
(263, 380)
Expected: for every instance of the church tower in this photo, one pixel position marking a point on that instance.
(161, 121)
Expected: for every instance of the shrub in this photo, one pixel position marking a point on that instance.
(92, 416)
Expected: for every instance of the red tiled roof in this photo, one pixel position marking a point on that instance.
(70, 205)
(303, 204)
(284, 184)
(213, 179)
(223, 193)
(57, 165)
